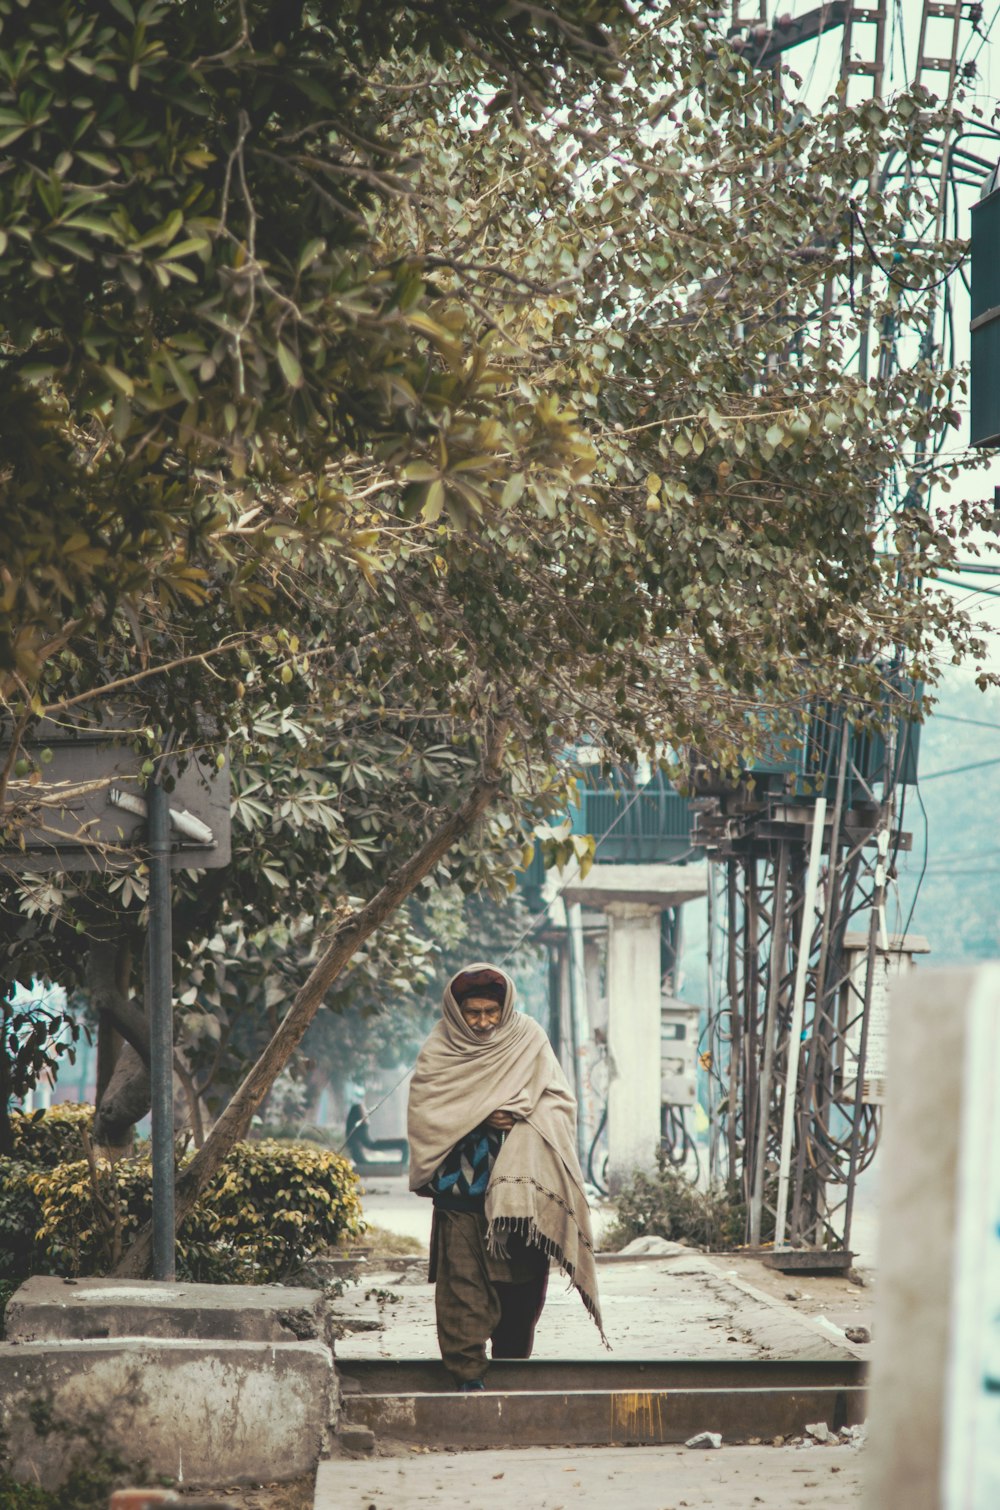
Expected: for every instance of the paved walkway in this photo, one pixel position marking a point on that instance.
(683, 1307)
(598, 1478)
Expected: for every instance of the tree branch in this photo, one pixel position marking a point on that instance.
(346, 938)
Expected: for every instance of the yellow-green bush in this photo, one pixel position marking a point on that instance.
(277, 1204)
(52, 1136)
(42, 1140)
(20, 1214)
(271, 1207)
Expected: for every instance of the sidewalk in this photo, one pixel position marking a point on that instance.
(686, 1305)
(598, 1478)
(649, 1306)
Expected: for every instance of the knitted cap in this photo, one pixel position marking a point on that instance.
(486, 983)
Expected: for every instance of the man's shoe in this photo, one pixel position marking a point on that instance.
(466, 1386)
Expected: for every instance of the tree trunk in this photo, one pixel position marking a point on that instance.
(108, 969)
(109, 1046)
(123, 1089)
(125, 1102)
(346, 938)
(193, 1100)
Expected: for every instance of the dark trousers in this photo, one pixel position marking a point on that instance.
(480, 1297)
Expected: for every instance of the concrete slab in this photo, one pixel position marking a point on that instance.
(202, 1413)
(683, 1307)
(47, 1308)
(655, 885)
(648, 1478)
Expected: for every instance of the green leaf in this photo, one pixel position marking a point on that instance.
(513, 490)
(433, 502)
(163, 233)
(310, 252)
(289, 364)
(119, 379)
(185, 382)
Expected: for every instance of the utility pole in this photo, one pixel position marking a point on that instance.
(161, 1027)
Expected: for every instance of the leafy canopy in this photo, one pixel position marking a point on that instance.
(394, 382)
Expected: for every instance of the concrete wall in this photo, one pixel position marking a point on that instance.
(199, 1412)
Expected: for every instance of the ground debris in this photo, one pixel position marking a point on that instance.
(705, 1439)
(294, 1494)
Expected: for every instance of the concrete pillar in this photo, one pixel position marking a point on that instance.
(594, 952)
(633, 1037)
(565, 1013)
(935, 1390)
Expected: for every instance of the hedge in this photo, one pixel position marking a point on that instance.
(272, 1207)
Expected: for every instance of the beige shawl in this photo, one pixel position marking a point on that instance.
(536, 1187)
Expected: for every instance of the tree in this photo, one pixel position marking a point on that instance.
(196, 308)
(624, 488)
(193, 291)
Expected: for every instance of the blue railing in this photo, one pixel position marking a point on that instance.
(631, 825)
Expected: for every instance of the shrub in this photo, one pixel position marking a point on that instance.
(276, 1205)
(51, 1137)
(20, 1218)
(665, 1204)
(271, 1208)
(15, 1496)
(82, 1231)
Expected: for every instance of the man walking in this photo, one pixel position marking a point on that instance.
(492, 1141)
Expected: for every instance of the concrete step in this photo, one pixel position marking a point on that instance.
(47, 1309)
(601, 1417)
(408, 1376)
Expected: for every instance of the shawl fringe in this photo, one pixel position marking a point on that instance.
(496, 1242)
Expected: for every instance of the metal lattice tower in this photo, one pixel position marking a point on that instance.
(797, 908)
(800, 913)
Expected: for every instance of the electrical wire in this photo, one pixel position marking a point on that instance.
(912, 288)
(533, 922)
(953, 718)
(984, 38)
(958, 770)
(923, 868)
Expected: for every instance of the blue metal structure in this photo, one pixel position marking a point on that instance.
(631, 825)
(808, 768)
(984, 382)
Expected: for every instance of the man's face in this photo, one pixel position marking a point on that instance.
(482, 1015)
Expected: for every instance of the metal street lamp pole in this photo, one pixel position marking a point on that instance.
(161, 1028)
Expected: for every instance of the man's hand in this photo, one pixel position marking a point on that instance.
(501, 1120)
